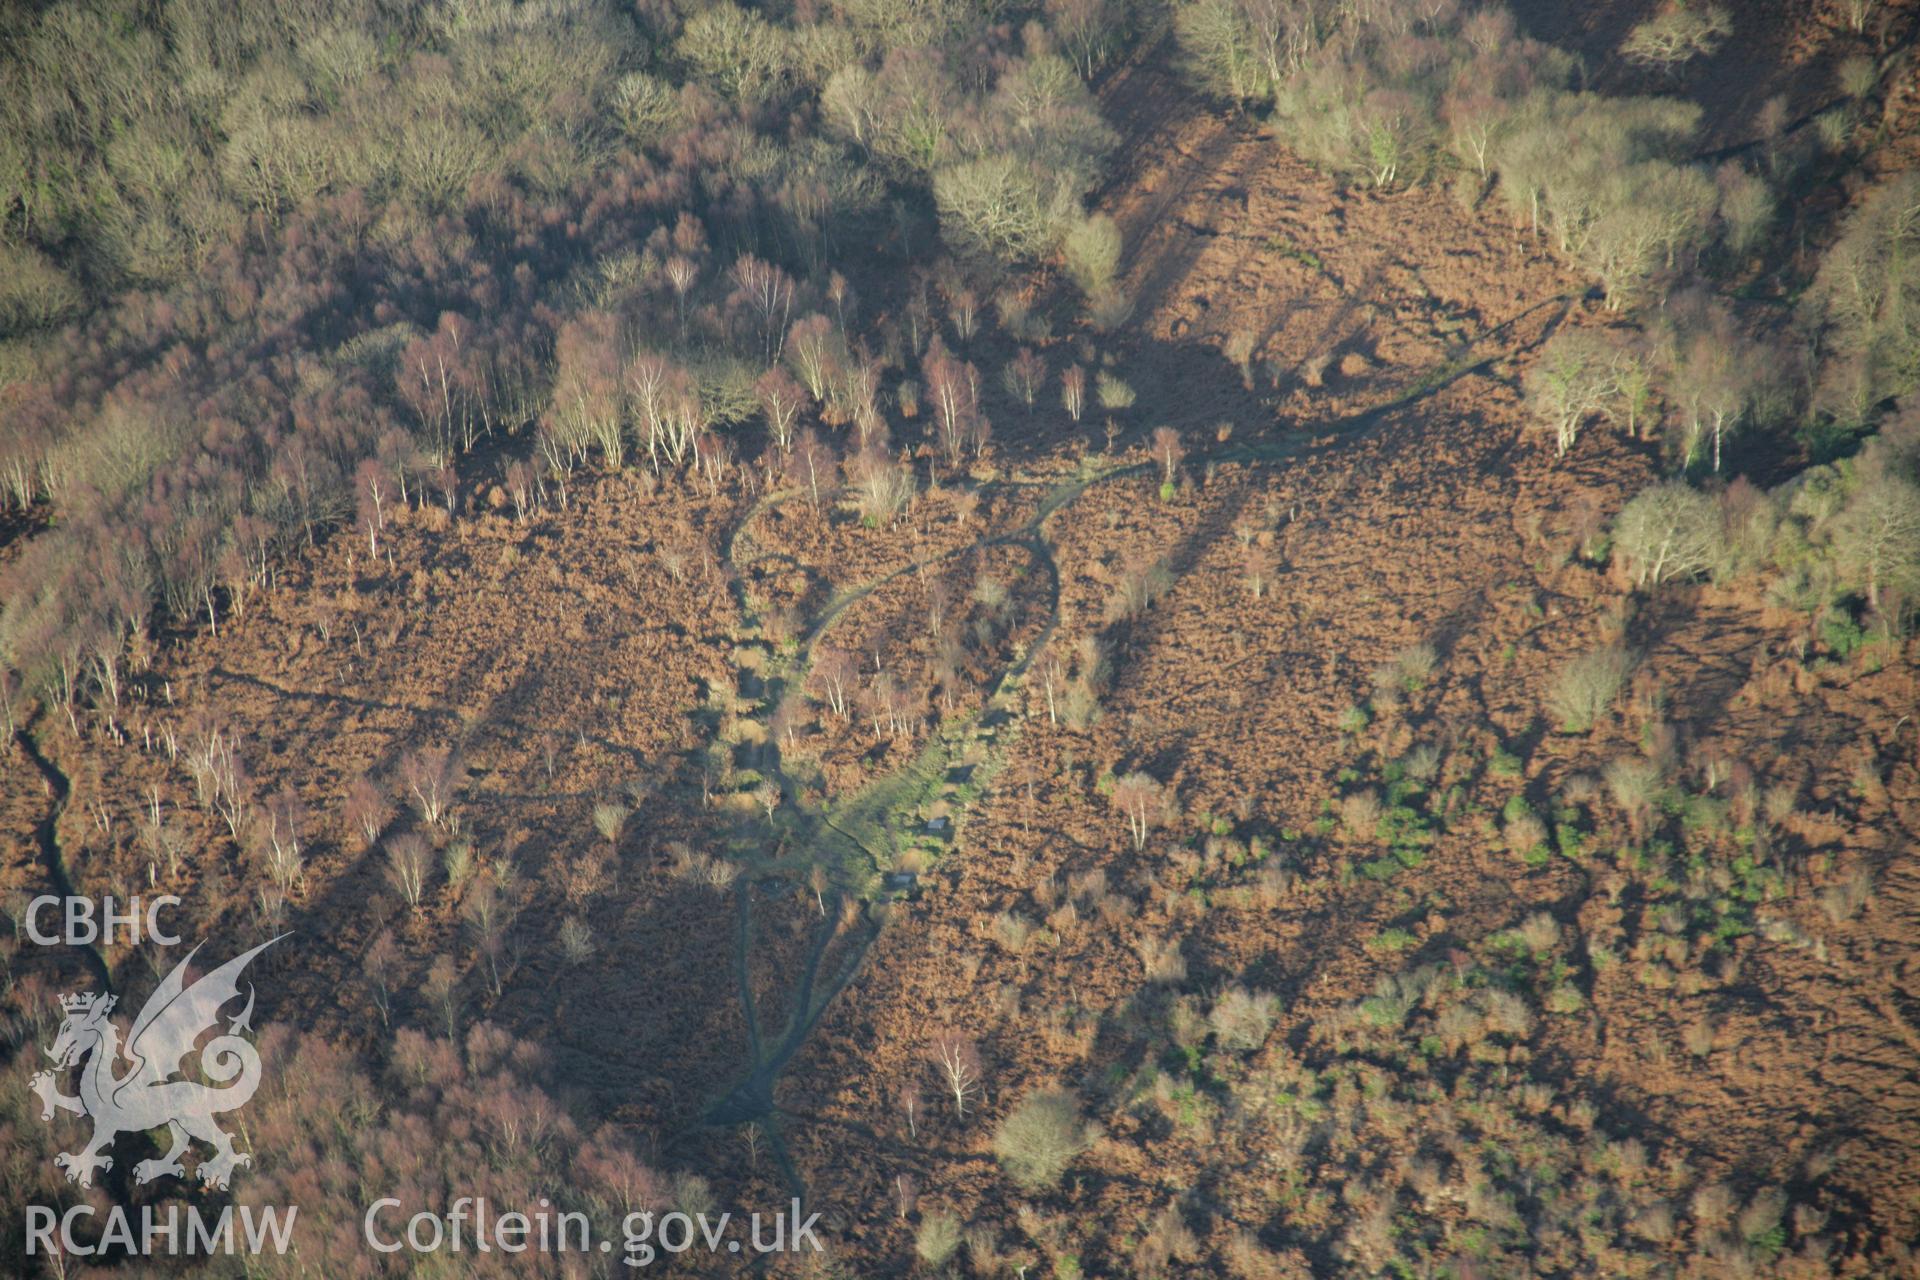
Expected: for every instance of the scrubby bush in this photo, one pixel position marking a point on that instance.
(1540, 932)
(1634, 785)
(576, 940)
(1842, 901)
(1241, 1019)
(1161, 960)
(1012, 931)
(1421, 762)
(1507, 1014)
(1524, 833)
(1040, 1137)
(937, 1239)
(609, 819)
(1587, 687)
(1111, 392)
(1091, 250)
(1410, 670)
(1360, 814)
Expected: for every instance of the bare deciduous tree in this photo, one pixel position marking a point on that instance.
(442, 987)
(909, 1101)
(408, 859)
(1876, 537)
(781, 399)
(1574, 379)
(1139, 798)
(956, 1060)
(813, 467)
(818, 882)
(9, 696)
(285, 816)
(367, 808)
(1073, 391)
(489, 913)
(883, 485)
(1092, 253)
(1137, 587)
(1053, 679)
(1677, 34)
(817, 353)
(834, 671)
(1717, 373)
(1241, 1019)
(1025, 374)
(429, 776)
(893, 706)
(1260, 565)
(765, 292)
(1669, 530)
(382, 958)
(1168, 451)
(1635, 785)
(953, 392)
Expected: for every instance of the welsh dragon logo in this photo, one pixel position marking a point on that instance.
(149, 1095)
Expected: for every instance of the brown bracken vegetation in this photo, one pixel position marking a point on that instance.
(1103, 637)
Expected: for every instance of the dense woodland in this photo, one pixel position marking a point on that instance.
(265, 276)
(282, 276)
